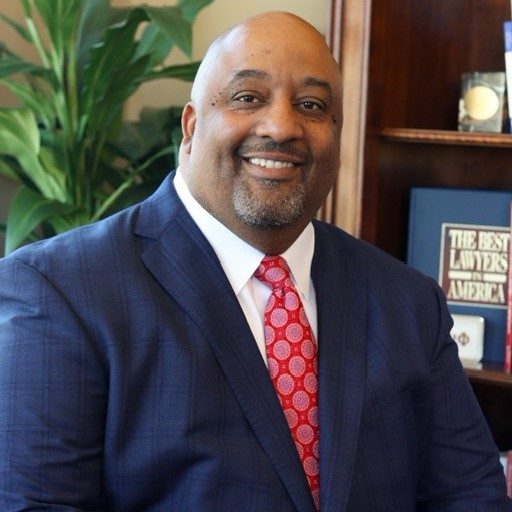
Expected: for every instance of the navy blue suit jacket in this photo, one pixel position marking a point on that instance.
(131, 382)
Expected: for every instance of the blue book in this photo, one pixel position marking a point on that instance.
(461, 238)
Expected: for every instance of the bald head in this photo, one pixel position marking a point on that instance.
(282, 32)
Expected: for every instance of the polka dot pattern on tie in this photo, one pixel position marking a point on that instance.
(292, 364)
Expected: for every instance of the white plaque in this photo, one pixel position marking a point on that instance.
(468, 332)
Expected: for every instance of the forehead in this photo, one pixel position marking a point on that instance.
(290, 49)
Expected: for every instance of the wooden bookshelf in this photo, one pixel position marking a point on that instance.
(408, 58)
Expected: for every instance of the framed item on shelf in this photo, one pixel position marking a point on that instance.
(481, 102)
(468, 332)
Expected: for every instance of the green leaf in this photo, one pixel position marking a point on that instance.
(112, 176)
(116, 91)
(157, 156)
(92, 25)
(172, 23)
(66, 221)
(131, 195)
(12, 65)
(152, 131)
(31, 99)
(22, 31)
(60, 18)
(107, 60)
(190, 8)
(27, 8)
(155, 44)
(185, 72)
(28, 209)
(54, 160)
(18, 132)
(7, 169)
(19, 138)
(118, 15)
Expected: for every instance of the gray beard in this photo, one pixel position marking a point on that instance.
(268, 215)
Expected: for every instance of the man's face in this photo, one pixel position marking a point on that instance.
(261, 137)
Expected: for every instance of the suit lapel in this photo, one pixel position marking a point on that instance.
(186, 266)
(342, 367)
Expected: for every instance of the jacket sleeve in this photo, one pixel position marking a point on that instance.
(462, 470)
(52, 404)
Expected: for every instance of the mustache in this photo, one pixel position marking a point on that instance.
(286, 148)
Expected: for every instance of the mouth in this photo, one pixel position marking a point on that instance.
(271, 161)
(268, 163)
(276, 169)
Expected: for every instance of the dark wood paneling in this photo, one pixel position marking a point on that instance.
(418, 52)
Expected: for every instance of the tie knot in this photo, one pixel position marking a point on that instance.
(274, 271)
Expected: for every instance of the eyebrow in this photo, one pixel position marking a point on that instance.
(248, 73)
(311, 81)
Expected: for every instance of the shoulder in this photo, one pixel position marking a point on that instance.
(392, 288)
(362, 257)
(113, 241)
(100, 242)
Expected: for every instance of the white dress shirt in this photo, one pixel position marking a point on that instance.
(240, 260)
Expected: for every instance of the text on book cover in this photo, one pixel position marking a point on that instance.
(474, 264)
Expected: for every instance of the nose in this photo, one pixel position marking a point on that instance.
(280, 121)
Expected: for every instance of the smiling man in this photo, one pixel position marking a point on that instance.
(262, 132)
(215, 348)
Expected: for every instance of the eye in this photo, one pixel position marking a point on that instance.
(246, 98)
(312, 105)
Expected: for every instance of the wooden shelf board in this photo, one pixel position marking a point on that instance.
(419, 136)
(490, 373)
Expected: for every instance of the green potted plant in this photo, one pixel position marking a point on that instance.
(74, 156)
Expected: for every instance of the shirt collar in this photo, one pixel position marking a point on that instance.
(240, 260)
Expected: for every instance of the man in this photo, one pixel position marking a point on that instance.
(142, 358)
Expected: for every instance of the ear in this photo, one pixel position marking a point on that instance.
(188, 124)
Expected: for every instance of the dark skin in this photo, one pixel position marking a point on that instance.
(261, 140)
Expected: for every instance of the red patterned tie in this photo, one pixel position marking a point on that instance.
(292, 364)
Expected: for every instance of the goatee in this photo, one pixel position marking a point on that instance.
(268, 213)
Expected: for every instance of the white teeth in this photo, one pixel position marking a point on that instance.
(270, 164)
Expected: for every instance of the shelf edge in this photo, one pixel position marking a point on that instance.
(421, 136)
